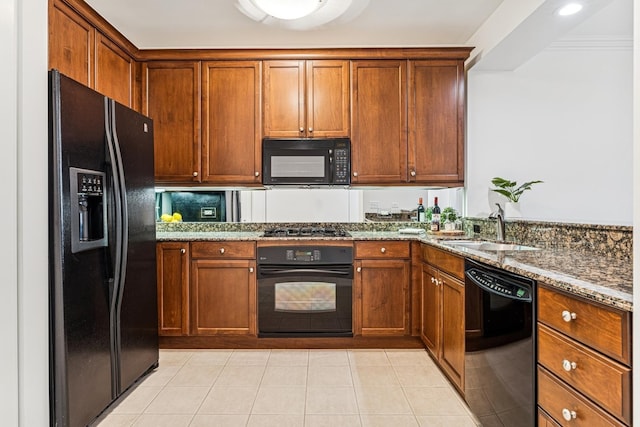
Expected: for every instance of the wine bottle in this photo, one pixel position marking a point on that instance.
(422, 214)
(435, 216)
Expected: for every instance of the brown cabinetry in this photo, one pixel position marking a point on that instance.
(223, 288)
(171, 97)
(306, 98)
(442, 311)
(83, 53)
(436, 122)
(173, 288)
(71, 42)
(381, 286)
(114, 71)
(231, 119)
(379, 122)
(584, 373)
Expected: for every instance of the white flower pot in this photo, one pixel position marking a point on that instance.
(512, 210)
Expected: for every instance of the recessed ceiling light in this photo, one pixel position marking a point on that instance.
(570, 9)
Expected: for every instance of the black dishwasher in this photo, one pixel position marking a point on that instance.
(500, 346)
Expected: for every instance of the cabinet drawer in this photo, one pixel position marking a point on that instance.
(558, 400)
(603, 328)
(382, 249)
(223, 250)
(445, 261)
(606, 382)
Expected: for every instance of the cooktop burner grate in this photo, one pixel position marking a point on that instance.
(305, 232)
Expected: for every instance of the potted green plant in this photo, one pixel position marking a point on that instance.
(448, 217)
(512, 191)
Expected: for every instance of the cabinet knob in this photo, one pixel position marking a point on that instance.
(310, 129)
(569, 366)
(440, 282)
(355, 174)
(221, 250)
(569, 415)
(195, 174)
(568, 316)
(359, 269)
(183, 251)
(257, 174)
(301, 129)
(250, 269)
(433, 280)
(413, 173)
(383, 250)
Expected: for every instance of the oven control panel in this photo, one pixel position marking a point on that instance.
(297, 255)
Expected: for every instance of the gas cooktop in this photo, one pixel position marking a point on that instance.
(305, 232)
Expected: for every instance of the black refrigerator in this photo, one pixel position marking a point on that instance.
(102, 293)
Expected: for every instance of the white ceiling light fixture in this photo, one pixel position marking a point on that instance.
(570, 9)
(316, 14)
(289, 9)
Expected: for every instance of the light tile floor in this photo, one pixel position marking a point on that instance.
(311, 388)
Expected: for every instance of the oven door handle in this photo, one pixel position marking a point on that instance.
(294, 271)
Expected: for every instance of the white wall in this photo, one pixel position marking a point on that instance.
(24, 394)
(564, 117)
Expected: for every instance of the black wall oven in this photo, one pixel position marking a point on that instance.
(305, 291)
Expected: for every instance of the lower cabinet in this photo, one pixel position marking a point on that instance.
(173, 288)
(442, 311)
(223, 288)
(584, 361)
(381, 285)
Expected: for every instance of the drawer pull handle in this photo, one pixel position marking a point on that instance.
(250, 269)
(568, 316)
(221, 250)
(359, 269)
(183, 251)
(383, 250)
(569, 366)
(569, 415)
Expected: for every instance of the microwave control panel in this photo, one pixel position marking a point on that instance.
(341, 159)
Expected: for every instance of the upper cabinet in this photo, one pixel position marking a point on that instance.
(379, 122)
(231, 137)
(114, 71)
(86, 55)
(71, 44)
(306, 99)
(436, 122)
(171, 97)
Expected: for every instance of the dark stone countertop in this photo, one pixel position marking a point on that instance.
(607, 280)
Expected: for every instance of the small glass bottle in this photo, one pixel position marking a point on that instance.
(435, 216)
(422, 214)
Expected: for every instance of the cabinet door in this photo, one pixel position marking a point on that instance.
(71, 41)
(327, 109)
(378, 122)
(382, 290)
(284, 100)
(231, 136)
(114, 71)
(430, 315)
(173, 288)
(223, 297)
(452, 355)
(171, 97)
(436, 121)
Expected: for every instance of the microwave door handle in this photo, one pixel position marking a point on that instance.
(331, 167)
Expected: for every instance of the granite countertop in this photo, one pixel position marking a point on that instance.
(607, 280)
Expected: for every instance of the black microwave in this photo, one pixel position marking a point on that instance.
(306, 161)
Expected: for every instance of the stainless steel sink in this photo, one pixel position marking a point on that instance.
(483, 245)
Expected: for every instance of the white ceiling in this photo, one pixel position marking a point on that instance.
(159, 24)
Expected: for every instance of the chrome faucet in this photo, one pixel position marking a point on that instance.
(499, 215)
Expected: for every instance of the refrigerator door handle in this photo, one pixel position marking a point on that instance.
(116, 280)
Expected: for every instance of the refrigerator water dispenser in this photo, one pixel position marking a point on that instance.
(88, 213)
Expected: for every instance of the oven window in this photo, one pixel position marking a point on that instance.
(306, 297)
(297, 166)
